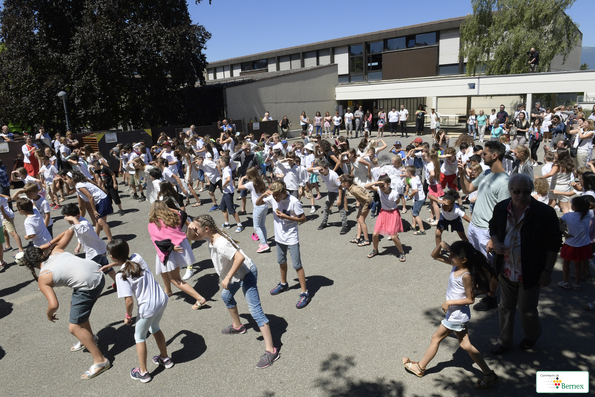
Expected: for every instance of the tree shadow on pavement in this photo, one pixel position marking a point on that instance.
(194, 347)
(566, 344)
(336, 382)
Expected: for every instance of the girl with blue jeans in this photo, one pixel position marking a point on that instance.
(253, 182)
(235, 270)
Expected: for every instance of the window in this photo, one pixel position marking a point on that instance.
(410, 41)
(356, 49)
(375, 62)
(357, 64)
(375, 75)
(254, 65)
(344, 78)
(425, 39)
(449, 69)
(395, 44)
(377, 47)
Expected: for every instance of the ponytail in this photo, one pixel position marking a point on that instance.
(32, 257)
(131, 269)
(477, 264)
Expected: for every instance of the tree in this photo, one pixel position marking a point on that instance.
(122, 62)
(585, 66)
(499, 33)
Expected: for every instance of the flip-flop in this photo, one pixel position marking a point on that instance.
(101, 368)
(7, 249)
(196, 205)
(199, 305)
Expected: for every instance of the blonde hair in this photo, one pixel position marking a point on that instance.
(503, 139)
(160, 213)
(208, 221)
(397, 161)
(541, 186)
(477, 168)
(31, 187)
(524, 150)
(278, 187)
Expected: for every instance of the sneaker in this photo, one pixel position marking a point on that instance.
(304, 300)
(240, 228)
(136, 375)
(114, 286)
(263, 248)
(142, 198)
(214, 208)
(121, 213)
(135, 196)
(166, 362)
(344, 230)
(279, 288)
(241, 212)
(322, 226)
(267, 359)
(231, 330)
(226, 226)
(57, 206)
(188, 275)
(312, 210)
(487, 303)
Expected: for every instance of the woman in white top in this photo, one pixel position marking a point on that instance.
(62, 269)
(31, 162)
(583, 142)
(226, 141)
(472, 123)
(434, 122)
(545, 126)
(253, 182)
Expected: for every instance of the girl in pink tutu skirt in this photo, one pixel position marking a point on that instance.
(389, 221)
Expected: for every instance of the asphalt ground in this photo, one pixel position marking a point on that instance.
(364, 317)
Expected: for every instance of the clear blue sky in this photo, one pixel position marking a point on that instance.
(244, 27)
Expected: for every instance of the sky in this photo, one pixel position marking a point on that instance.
(244, 27)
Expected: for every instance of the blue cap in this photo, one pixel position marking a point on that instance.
(284, 141)
(397, 143)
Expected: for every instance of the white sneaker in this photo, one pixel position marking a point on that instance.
(188, 275)
(312, 210)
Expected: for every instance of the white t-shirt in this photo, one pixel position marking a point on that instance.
(227, 174)
(211, 171)
(429, 167)
(26, 153)
(168, 175)
(348, 118)
(403, 115)
(96, 192)
(393, 117)
(577, 227)
(455, 213)
(337, 120)
(34, 225)
(131, 156)
(92, 244)
(43, 207)
(9, 213)
(222, 253)
(84, 169)
(49, 173)
(309, 160)
(290, 175)
(171, 158)
(416, 184)
(449, 167)
(331, 180)
(388, 201)
(150, 298)
(286, 231)
(253, 195)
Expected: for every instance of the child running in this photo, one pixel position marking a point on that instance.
(389, 221)
(468, 272)
(287, 214)
(450, 215)
(136, 280)
(236, 271)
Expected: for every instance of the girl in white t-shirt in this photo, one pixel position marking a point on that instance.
(388, 222)
(469, 271)
(136, 280)
(542, 189)
(253, 182)
(577, 246)
(450, 215)
(236, 271)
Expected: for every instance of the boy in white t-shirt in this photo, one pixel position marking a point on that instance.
(7, 216)
(416, 192)
(287, 170)
(35, 229)
(31, 191)
(95, 248)
(287, 214)
(450, 215)
(227, 206)
(48, 172)
(331, 180)
(213, 174)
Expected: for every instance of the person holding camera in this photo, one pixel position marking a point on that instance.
(533, 60)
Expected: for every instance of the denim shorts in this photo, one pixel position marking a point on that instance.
(148, 324)
(82, 302)
(457, 327)
(227, 204)
(417, 207)
(294, 252)
(244, 193)
(250, 290)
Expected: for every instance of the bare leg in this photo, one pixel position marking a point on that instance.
(375, 240)
(160, 340)
(174, 276)
(141, 352)
(283, 269)
(265, 330)
(430, 353)
(397, 242)
(17, 238)
(166, 283)
(225, 216)
(438, 236)
(84, 334)
(466, 345)
(235, 317)
(302, 277)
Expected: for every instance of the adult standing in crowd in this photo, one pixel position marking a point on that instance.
(304, 121)
(558, 130)
(502, 115)
(393, 119)
(434, 121)
(533, 60)
(537, 112)
(526, 238)
(285, 125)
(30, 161)
(420, 115)
(381, 122)
(522, 128)
(359, 121)
(482, 123)
(348, 123)
(403, 114)
(267, 116)
(492, 187)
(472, 124)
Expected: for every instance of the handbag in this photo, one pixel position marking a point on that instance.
(574, 150)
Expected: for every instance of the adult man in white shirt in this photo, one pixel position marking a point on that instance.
(359, 121)
(403, 114)
(393, 119)
(348, 123)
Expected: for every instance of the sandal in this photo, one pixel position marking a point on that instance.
(196, 205)
(408, 364)
(363, 243)
(7, 249)
(355, 240)
(199, 305)
(564, 284)
(100, 368)
(402, 257)
(419, 233)
(372, 254)
(576, 287)
(79, 346)
(487, 381)
(590, 307)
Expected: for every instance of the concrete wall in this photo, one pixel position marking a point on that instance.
(309, 91)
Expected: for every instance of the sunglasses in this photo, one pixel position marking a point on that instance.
(525, 192)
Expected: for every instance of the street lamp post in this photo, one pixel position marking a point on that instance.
(63, 95)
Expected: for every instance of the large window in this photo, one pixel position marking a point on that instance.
(254, 65)
(356, 49)
(396, 44)
(425, 39)
(375, 62)
(375, 48)
(449, 69)
(356, 62)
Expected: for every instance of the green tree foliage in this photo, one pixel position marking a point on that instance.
(585, 66)
(122, 62)
(499, 33)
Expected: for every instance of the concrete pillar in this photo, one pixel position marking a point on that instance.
(529, 105)
(435, 102)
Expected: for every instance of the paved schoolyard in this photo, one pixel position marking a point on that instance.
(365, 315)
